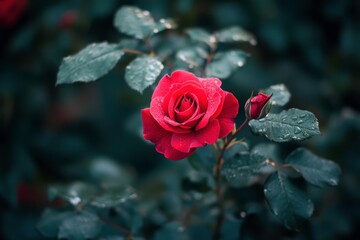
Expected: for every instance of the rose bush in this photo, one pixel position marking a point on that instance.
(187, 112)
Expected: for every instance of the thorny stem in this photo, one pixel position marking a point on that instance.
(219, 191)
(128, 234)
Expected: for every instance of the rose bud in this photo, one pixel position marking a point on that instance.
(187, 112)
(258, 106)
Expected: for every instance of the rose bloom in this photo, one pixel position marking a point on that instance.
(187, 112)
(258, 106)
(11, 11)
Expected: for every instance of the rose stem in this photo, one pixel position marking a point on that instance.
(218, 190)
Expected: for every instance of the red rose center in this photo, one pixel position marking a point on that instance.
(185, 107)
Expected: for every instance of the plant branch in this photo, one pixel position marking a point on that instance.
(127, 50)
(219, 191)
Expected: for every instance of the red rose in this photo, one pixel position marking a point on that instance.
(258, 106)
(187, 112)
(10, 11)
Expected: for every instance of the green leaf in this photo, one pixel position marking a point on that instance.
(240, 167)
(142, 72)
(317, 171)
(82, 225)
(235, 34)
(75, 193)
(268, 150)
(173, 230)
(89, 64)
(192, 56)
(114, 197)
(134, 22)
(107, 172)
(225, 63)
(197, 181)
(50, 221)
(164, 24)
(128, 215)
(280, 94)
(292, 124)
(232, 226)
(200, 35)
(203, 159)
(237, 148)
(286, 201)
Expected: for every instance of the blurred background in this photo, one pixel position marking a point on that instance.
(52, 135)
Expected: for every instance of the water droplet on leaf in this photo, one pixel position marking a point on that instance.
(333, 181)
(297, 130)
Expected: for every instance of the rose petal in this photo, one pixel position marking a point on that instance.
(163, 87)
(162, 138)
(182, 116)
(184, 112)
(215, 81)
(226, 126)
(168, 83)
(164, 147)
(207, 135)
(215, 98)
(159, 115)
(228, 114)
(184, 103)
(180, 76)
(230, 107)
(190, 123)
(171, 98)
(152, 131)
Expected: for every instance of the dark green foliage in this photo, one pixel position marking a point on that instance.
(286, 201)
(172, 230)
(280, 94)
(235, 34)
(89, 64)
(242, 167)
(142, 72)
(289, 125)
(225, 63)
(317, 171)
